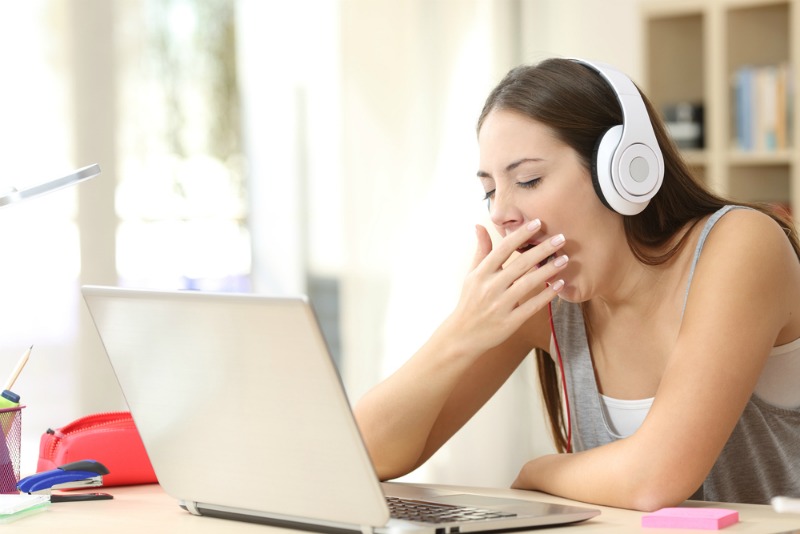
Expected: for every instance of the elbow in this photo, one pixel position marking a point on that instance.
(661, 478)
(387, 471)
(389, 465)
(660, 492)
(654, 500)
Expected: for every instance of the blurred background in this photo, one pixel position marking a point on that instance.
(307, 146)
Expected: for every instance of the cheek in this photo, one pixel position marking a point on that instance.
(587, 225)
(576, 208)
(577, 188)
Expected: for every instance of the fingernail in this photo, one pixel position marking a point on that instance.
(557, 240)
(557, 285)
(561, 261)
(534, 224)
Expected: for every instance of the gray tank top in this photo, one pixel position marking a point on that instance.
(762, 456)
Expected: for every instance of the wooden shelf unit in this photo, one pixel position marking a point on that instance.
(693, 50)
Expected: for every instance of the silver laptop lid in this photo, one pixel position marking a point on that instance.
(210, 378)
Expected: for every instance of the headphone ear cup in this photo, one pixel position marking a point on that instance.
(627, 164)
(612, 185)
(602, 156)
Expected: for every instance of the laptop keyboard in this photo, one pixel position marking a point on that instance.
(431, 512)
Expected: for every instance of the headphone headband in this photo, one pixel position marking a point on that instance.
(628, 166)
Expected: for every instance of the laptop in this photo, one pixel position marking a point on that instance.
(244, 416)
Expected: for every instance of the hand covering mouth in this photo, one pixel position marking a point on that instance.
(545, 261)
(527, 246)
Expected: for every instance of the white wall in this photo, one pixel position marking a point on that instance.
(609, 31)
(288, 64)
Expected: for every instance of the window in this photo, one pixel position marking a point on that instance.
(181, 196)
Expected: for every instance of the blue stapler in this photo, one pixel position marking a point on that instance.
(81, 474)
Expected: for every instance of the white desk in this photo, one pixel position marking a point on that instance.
(148, 510)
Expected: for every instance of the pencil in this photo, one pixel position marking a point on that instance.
(18, 369)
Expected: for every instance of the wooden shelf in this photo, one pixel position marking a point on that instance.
(777, 157)
(693, 50)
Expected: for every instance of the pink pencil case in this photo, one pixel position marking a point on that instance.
(110, 438)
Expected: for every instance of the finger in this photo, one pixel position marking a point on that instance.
(531, 283)
(511, 243)
(484, 245)
(531, 259)
(536, 302)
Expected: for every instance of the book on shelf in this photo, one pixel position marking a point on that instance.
(762, 107)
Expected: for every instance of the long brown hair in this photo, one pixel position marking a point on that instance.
(579, 107)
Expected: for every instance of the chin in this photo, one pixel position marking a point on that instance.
(569, 294)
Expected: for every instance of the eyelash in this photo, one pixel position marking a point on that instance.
(530, 184)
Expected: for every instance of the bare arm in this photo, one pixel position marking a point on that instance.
(744, 291)
(406, 418)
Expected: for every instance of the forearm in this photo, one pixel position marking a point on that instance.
(574, 476)
(411, 414)
(616, 475)
(397, 416)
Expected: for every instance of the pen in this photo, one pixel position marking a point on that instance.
(18, 369)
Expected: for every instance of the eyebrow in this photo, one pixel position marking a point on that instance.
(510, 167)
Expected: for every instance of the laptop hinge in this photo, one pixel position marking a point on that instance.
(190, 506)
(279, 520)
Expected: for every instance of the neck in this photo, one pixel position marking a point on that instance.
(636, 286)
(638, 289)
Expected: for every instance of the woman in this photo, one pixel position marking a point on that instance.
(678, 327)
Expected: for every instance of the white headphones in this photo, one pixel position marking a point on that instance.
(628, 167)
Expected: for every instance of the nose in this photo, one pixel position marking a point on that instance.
(503, 213)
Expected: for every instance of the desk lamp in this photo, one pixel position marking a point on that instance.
(13, 195)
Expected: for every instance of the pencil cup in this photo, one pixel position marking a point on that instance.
(10, 448)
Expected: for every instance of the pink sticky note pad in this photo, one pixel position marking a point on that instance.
(699, 518)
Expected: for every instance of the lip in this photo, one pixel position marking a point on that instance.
(531, 244)
(527, 246)
(546, 261)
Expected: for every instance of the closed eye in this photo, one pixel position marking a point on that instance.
(530, 184)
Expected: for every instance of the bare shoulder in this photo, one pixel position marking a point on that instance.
(749, 251)
(751, 231)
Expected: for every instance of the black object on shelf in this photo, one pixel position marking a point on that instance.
(684, 121)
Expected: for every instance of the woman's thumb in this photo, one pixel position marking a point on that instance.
(484, 245)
